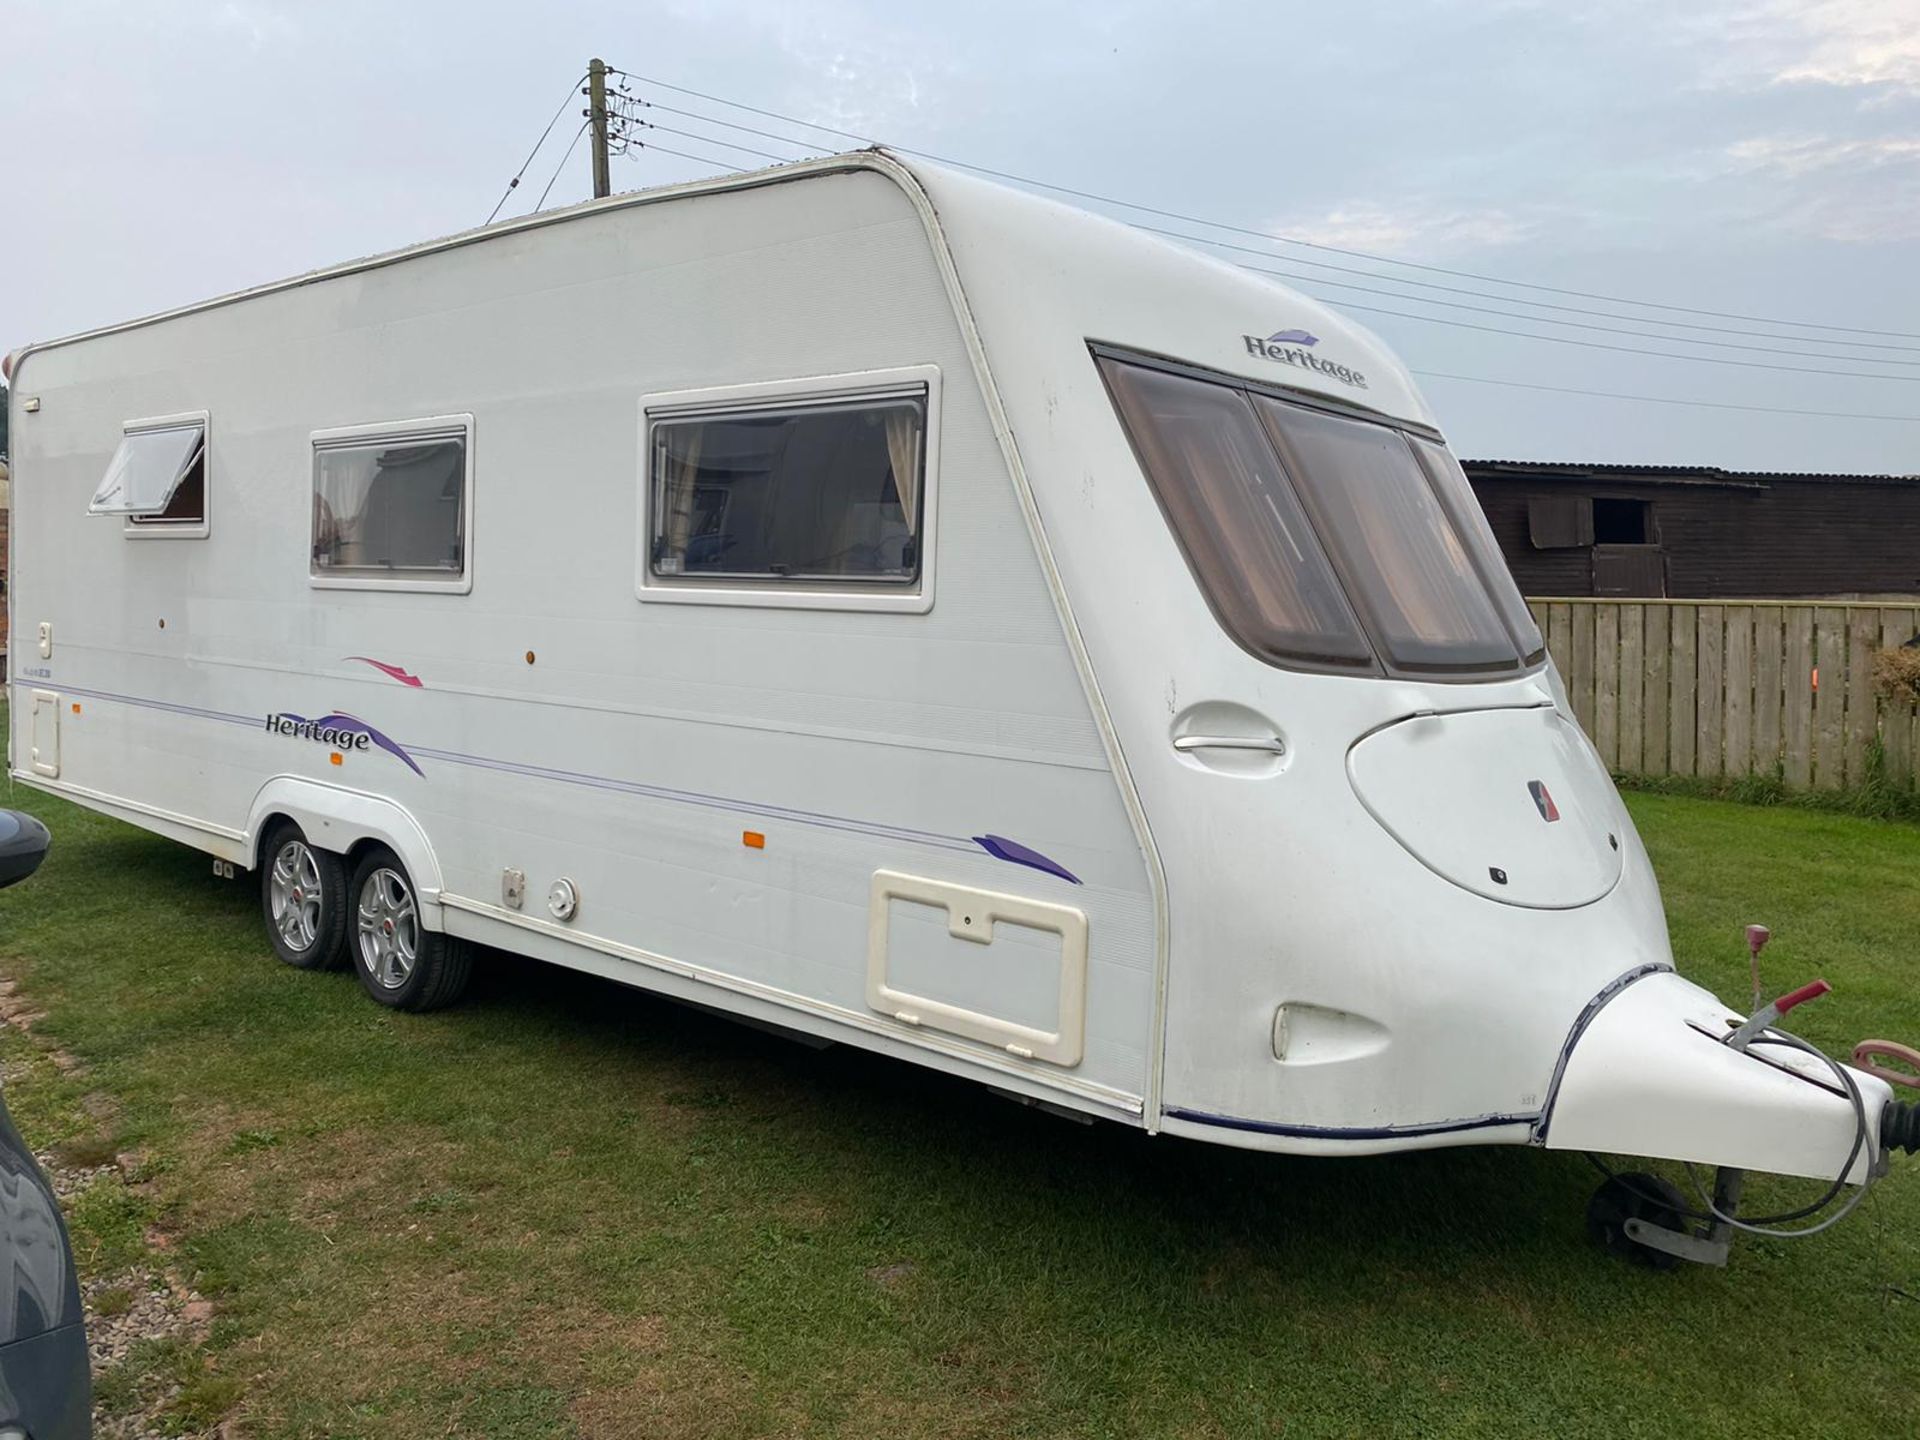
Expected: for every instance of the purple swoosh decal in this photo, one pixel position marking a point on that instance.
(1002, 848)
(353, 725)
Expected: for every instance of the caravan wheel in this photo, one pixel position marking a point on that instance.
(400, 963)
(303, 898)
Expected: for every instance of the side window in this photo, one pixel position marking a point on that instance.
(157, 479)
(391, 506)
(815, 500)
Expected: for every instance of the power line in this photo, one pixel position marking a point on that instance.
(514, 183)
(1442, 320)
(736, 125)
(1510, 299)
(1603, 345)
(1389, 279)
(1664, 399)
(1262, 234)
(1578, 324)
(561, 166)
(683, 155)
(715, 140)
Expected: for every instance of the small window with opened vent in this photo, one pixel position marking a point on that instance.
(157, 479)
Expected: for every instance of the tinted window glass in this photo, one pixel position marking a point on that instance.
(1396, 546)
(1236, 517)
(819, 492)
(1470, 520)
(189, 503)
(390, 508)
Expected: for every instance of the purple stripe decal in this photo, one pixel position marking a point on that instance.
(1002, 848)
(999, 847)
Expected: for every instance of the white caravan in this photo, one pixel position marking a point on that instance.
(865, 599)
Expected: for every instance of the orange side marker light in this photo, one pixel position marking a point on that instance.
(753, 840)
(76, 707)
(334, 758)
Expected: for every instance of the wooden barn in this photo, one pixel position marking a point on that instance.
(1692, 532)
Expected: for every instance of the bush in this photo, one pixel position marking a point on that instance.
(1896, 673)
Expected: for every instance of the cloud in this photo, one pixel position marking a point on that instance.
(1869, 45)
(1416, 228)
(1849, 190)
(1797, 156)
(1854, 43)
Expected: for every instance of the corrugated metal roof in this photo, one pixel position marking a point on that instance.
(1670, 474)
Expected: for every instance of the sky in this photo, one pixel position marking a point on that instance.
(1754, 158)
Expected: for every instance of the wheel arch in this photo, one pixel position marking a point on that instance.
(346, 822)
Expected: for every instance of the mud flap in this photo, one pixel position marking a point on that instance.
(1649, 1075)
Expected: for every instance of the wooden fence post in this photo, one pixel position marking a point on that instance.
(1659, 662)
(1769, 653)
(1797, 678)
(1682, 709)
(1830, 697)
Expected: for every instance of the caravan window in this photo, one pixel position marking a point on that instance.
(825, 493)
(1412, 572)
(1236, 516)
(1322, 536)
(390, 506)
(1470, 521)
(158, 476)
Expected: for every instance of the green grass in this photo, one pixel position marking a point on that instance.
(567, 1208)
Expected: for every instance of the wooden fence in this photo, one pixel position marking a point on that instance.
(1736, 687)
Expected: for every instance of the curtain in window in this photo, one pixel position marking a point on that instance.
(680, 467)
(903, 451)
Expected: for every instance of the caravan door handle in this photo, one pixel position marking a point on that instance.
(1271, 744)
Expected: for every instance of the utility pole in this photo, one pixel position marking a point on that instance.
(597, 114)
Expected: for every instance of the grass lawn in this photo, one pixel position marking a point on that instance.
(567, 1208)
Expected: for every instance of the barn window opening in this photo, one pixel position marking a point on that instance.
(826, 491)
(1621, 522)
(391, 507)
(158, 473)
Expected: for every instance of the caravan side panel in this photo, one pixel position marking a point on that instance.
(548, 720)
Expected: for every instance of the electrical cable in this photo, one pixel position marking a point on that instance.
(1262, 234)
(1760, 1224)
(1621, 349)
(736, 125)
(558, 168)
(1575, 324)
(1390, 279)
(729, 144)
(1468, 325)
(514, 183)
(683, 155)
(1666, 399)
(1505, 299)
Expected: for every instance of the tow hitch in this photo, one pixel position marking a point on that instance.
(1646, 1217)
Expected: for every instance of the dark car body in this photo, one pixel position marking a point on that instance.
(45, 1390)
(44, 1385)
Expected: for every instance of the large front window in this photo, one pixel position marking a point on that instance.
(1321, 538)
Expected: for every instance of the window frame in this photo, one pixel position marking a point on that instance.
(345, 437)
(919, 382)
(143, 528)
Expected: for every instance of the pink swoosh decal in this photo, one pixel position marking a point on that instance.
(395, 672)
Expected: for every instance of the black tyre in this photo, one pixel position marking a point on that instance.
(303, 899)
(400, 963)
(1636, 1195)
